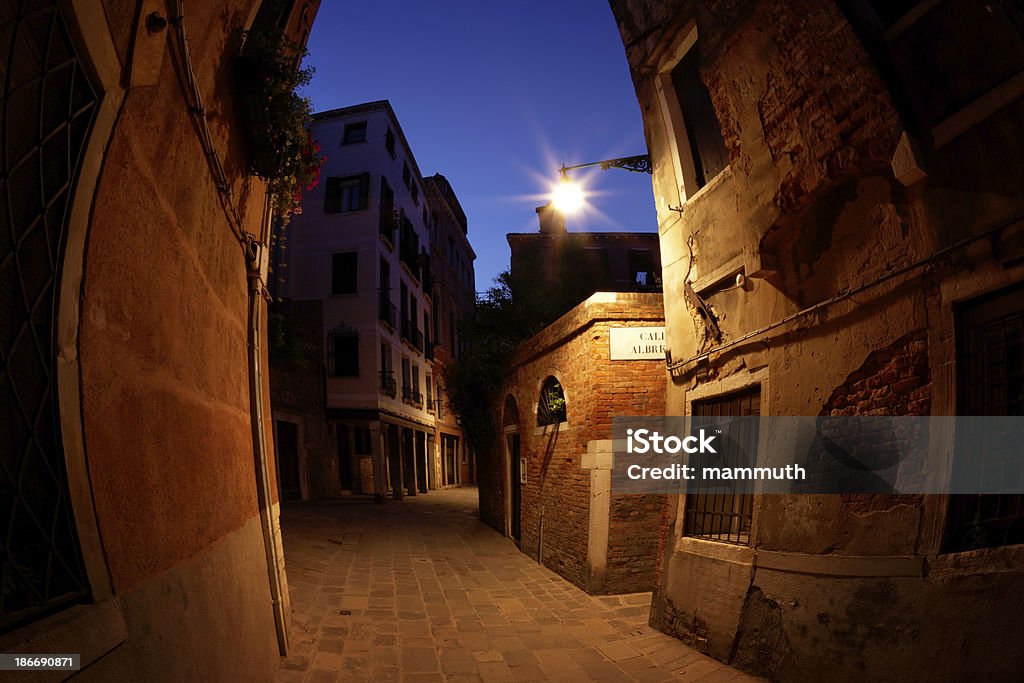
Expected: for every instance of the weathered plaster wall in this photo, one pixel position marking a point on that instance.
(854, 587)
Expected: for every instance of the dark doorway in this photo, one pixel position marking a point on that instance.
(344, 458)
(421, 462)
(517, 486)
(288, 460)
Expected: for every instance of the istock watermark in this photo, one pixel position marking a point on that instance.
(782, 455)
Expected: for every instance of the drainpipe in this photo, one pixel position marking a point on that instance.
(256, 265)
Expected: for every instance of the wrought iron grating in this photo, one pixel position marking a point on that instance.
(991, 382)
(724, 517)
(48, 109)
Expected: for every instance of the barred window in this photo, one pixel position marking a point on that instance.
(551, 405)
(990, 368)
(724, 517)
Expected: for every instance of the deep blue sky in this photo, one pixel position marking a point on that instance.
(495, 96)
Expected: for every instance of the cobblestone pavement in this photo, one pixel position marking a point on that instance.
(423, 591)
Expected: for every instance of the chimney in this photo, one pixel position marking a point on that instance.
(551, 221)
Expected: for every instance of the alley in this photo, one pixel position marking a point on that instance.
(423, 591)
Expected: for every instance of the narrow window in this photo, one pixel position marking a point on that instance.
(389, 142)
(705, 136)
(387, 210)
(344, 350)
(406, 175)
(344, 273)
(724, 517)
(990, 370)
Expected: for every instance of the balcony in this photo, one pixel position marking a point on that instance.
(385, 309)
(388, 385)
(412, 396)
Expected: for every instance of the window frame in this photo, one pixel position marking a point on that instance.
(335, 194)
(681, 148)
(334, 337)
(354, 127)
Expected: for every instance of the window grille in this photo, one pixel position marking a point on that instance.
(724, 517)
(551, 405)
(48, 111)
(990, 365)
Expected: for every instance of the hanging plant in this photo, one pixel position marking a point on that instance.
(268, 74)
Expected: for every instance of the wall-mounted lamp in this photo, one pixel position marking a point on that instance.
(568, 197)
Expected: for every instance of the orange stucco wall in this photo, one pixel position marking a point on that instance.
(163, 335)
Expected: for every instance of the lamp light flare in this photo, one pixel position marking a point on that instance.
(567, 196)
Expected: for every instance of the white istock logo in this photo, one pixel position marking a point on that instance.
(656, 443)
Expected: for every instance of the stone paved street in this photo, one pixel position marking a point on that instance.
(423, 591)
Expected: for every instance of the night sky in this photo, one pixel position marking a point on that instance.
(495, 96)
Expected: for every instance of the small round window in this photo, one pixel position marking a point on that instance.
(551, 406)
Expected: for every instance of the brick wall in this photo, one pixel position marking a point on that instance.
(555, 509)
(894, 380)
(633, 543)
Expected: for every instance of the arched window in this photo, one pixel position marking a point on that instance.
(551, 405)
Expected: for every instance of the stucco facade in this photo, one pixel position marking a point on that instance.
(367, 247)
(838, 189)
(158, 385)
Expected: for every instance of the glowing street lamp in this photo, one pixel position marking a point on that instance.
(568, 197)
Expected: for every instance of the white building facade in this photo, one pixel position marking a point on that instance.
(361, 246)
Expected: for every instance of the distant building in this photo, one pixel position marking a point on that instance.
(362, 247)
(840, 204)
(452, 299)
(553, 270)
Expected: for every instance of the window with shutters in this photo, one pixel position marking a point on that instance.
(698, 150)
(346, 193)
(702, 130)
